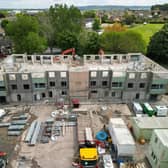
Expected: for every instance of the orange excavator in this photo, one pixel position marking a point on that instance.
(70, 50)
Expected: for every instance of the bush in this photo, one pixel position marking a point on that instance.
(122, 42)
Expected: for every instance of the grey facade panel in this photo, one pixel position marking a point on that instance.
(117, 78)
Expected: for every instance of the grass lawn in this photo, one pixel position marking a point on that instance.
(147, 30)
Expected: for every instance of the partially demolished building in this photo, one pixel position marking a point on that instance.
(115, 77)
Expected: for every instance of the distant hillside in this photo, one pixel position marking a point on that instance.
(91, 7)
(111, 7)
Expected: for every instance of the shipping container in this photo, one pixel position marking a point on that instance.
(161, 111)
(157, 153)
(121, 138)
(148, 109)
(144, 126)
(137, 109)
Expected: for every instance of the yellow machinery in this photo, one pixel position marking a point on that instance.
(88, 154)
(88, 157)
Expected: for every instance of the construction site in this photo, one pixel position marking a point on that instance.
(61, 137)
(110, 78)
(64, 112)
(95, 135)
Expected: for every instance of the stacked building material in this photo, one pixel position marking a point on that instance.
(21, 117)
(14, 133)
(17, 125)
(35, 134)
(19, 122)
(5, 124)
(30, 132)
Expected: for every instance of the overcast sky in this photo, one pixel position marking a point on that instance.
(47, 3)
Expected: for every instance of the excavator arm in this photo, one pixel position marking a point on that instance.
(70, 50)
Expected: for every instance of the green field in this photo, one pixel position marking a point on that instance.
(147, 30)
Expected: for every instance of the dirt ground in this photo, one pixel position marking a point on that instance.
(61, 152)
(53, 154)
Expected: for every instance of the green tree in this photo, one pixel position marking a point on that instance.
(89, 43)
(132, 41)
(22, 31)
(105, 18)
(122, 42)
(47, 28)
(158, 46)
(4, 23)
(96, 24)
(163, 7)
(3, 13)
(65, 19)
(110, 42)
(33, 43)
(89, 14)
(92, 43)
(67, 40)
(129, 18)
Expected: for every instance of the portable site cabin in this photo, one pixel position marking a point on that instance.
(2, 112)
(144, 126)
(123, 142)
(137, 109)
(107, 161)
(148, 109)
(161, 111)
(157, 153)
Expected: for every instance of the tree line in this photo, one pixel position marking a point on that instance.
(163, 7)
(63, 27)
